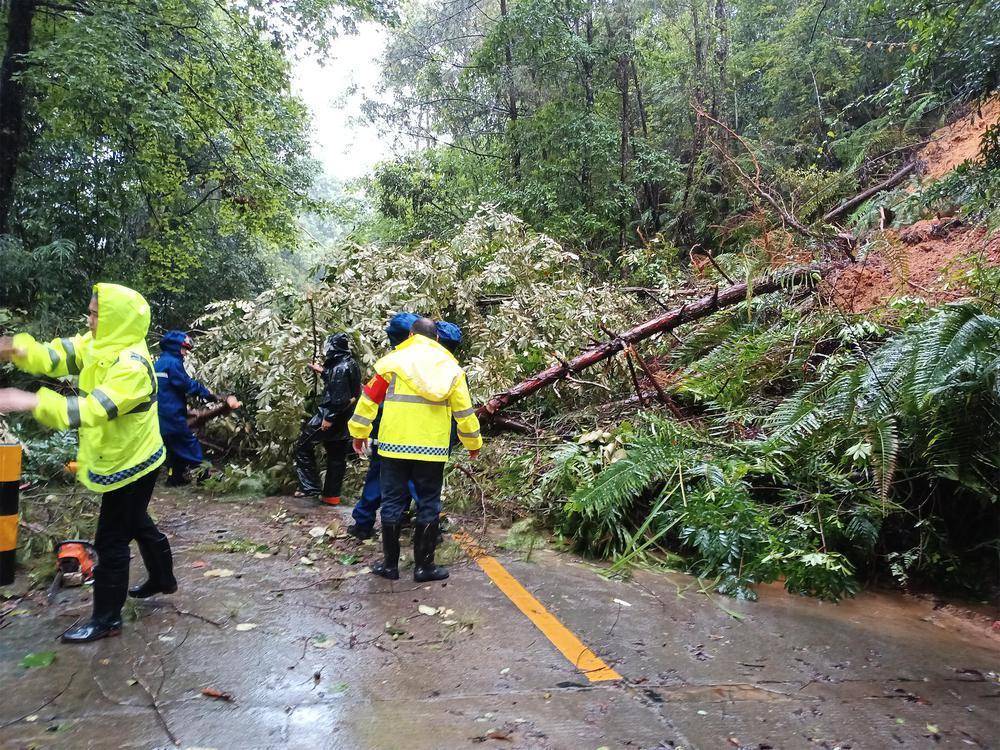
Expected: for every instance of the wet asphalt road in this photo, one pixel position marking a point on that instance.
(324, 655)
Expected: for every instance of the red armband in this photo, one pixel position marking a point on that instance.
(375, 389)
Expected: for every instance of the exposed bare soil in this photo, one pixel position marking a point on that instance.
(930, 259)
(959, 141)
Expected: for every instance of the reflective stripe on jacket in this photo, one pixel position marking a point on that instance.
(116, 409)
(421, 388)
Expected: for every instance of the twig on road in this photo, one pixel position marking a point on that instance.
(49, 702)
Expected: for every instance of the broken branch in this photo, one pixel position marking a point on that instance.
(860, 198)
(696, 310)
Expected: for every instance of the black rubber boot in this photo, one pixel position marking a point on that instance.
(177, 477)
(92, 630)
(160, 564)
(360, 532)
(106, 621)
(389, 567)
(425, 540)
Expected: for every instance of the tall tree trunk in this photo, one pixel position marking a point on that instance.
(587, 80)
(20, 15)
(721, 56)
(652, 190)
(626, 126)
(512, 113)
(698, 139)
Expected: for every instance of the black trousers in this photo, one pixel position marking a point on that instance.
(124, 517)
(427, 478)
(304, 460)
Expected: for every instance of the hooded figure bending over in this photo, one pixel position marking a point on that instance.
(120, 446)
(183, 449)
(341, 388)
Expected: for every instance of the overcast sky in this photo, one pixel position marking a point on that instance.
(333, 89)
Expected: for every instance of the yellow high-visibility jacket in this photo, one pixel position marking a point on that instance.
(421, 387)
(116, 410)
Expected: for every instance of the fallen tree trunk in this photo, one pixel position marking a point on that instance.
(860, 198)
(691, 311)
(199, 417)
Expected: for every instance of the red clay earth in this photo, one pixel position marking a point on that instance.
(958, 142)
(928, 260)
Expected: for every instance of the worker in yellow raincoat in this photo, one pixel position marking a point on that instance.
(421, 388)
(120, 445)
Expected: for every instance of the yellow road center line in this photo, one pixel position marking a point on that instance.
(561, 637)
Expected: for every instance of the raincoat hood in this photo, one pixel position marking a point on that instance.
(425, 365)
(172, 341)
(122, 319)
(399, 327)
(449, 335)
(336, 347)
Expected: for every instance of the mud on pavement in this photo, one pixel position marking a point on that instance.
(279, 638)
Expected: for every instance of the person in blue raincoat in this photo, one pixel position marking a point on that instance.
(176, 386)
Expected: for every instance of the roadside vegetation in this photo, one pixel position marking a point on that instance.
(577, 168)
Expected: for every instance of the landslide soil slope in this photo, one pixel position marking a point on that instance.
(931, 258)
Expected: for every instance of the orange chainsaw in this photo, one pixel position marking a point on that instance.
(75, 561)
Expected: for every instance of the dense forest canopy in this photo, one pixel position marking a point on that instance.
(566, 170)
(583, 117)
(157, 143)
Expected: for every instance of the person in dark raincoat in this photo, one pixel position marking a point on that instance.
(183, 449)
(341, 388)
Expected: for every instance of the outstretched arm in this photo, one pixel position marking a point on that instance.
(56, 359)
(126, 387)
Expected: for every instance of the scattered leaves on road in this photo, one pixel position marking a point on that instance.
(218, 695)
(40, 659)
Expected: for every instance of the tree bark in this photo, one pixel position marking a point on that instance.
(626, 126)
(512, 112)
(20, 15)
(651, 189)
(698, 140)
(860, 198)
(668, 321)
(587, 80)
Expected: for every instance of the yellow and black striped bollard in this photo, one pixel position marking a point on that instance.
(10, 482)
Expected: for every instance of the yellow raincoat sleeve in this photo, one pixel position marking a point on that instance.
(56, 359)
(465, 416)
(126, 386)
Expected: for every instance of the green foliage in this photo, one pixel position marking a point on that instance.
(954, 46)
(162, 149)
(908, 402)
(518, 296)
(874, 463)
